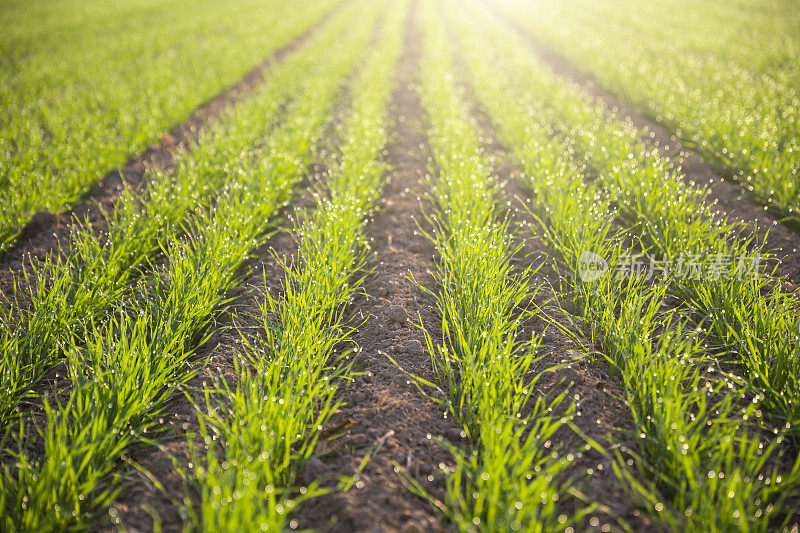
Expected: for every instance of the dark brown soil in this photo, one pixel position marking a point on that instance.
(388, 417)
(140, 501)
(731, 200)
(601, 413)
(157, 489)
(392, 421)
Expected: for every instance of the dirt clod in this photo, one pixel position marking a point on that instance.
(398, 314)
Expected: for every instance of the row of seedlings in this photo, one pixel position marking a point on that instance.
(78, 99)
(259, 432)
(508, 477)
(712, 264)
(724, 80)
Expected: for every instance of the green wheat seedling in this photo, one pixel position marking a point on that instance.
(671, 219)
(267, 425)
(121, 381)
(259, 433)
(732, 99)
(705, 470)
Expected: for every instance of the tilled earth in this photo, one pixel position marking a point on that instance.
(387, 428)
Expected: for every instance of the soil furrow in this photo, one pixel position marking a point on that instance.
(730, 199)
(386, 417)
(141, 502)
(601, 412)
(48, 232)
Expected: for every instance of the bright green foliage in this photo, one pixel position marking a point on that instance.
(710, 451)
(704, 469)
(259, 434)
(124, 375)
(707, 465)
(509, 478)
(751, 323)
(97, 274)
(122, 379)
(725, 76)
(87, 84)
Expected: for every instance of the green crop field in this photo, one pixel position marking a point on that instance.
(724, 76)
(424, 265)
